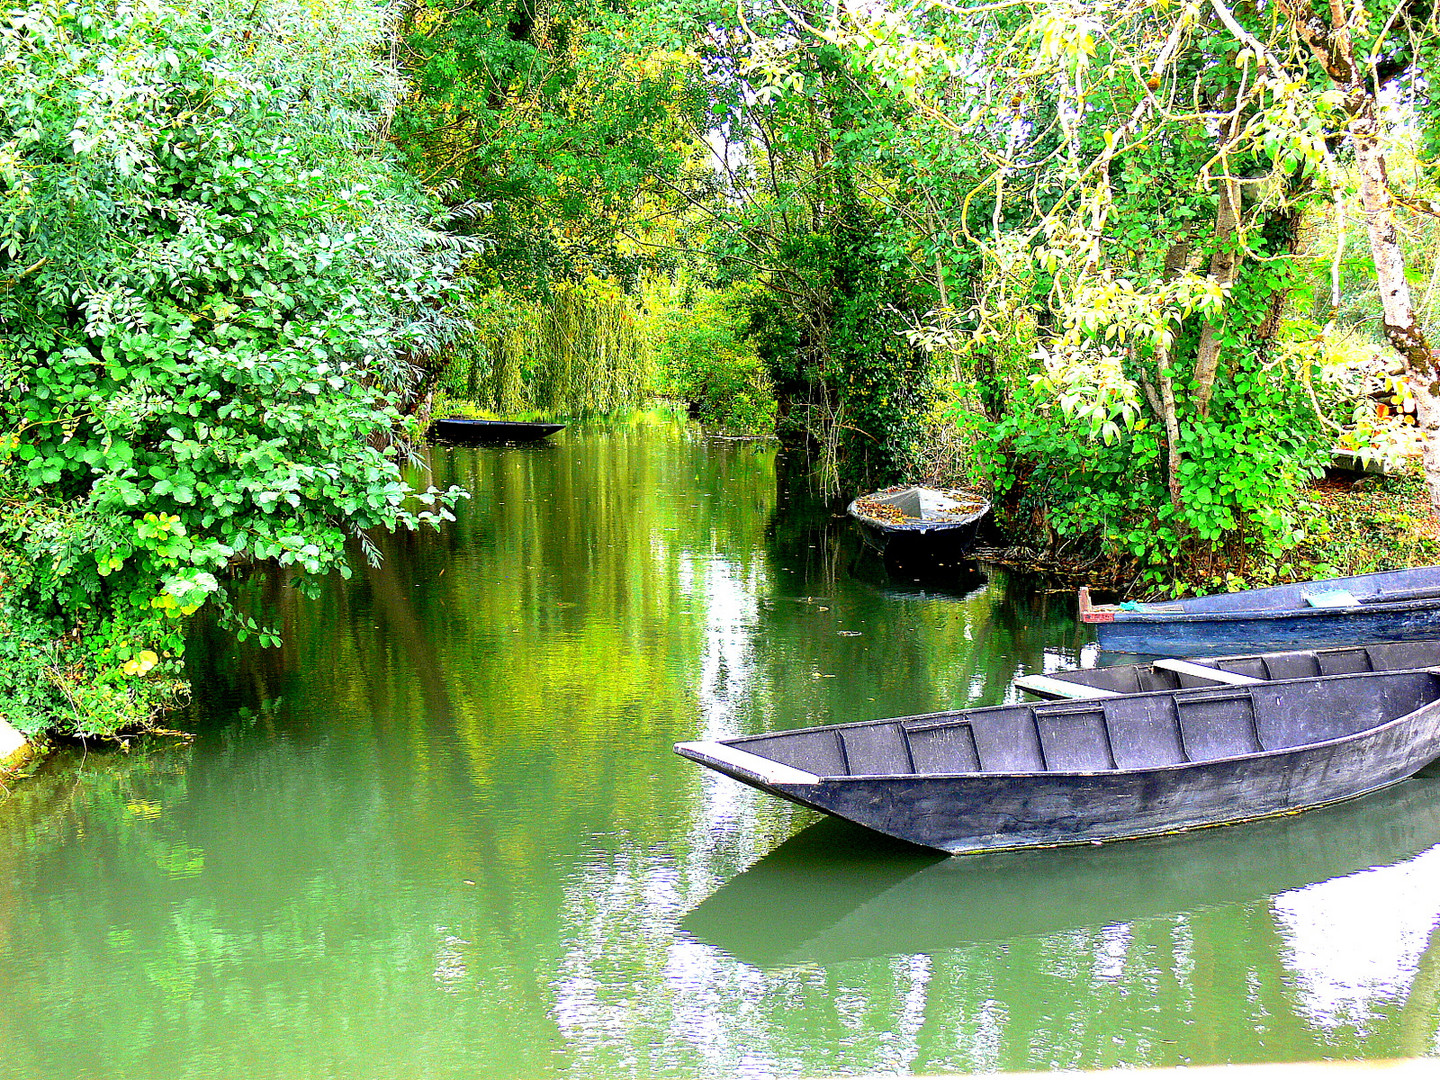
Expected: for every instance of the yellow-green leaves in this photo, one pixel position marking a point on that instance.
(1065, 35)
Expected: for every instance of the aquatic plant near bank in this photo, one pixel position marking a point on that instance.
(213, 290)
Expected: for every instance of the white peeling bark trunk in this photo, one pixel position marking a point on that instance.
(1223, 267)
(1334, 50)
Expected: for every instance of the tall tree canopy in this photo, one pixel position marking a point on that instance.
(1147, 171)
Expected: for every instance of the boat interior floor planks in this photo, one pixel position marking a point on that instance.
(1169, 674)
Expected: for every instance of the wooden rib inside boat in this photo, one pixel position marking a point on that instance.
(1072, 772)
(1168, 674)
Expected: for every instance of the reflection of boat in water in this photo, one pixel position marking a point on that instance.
(835, 892)
(952, 582)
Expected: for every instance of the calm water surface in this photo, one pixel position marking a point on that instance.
(440, 833)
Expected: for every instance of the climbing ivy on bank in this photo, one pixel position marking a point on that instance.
(213, 288)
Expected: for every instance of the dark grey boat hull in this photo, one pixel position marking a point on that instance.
(1054, 803)
(940, 541)
(993, 813)
(455, 429)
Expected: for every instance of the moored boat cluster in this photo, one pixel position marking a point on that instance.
(1343, 700)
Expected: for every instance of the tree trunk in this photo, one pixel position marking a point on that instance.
(1224, 265)
(1334, 50)
(1172, 435)
(1164, 403)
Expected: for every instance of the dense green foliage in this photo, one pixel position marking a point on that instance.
(210, 286)
(1245, 465)
(1133, 207)
(567, 119)
(704, 360)
(820, 210)
(239, 245)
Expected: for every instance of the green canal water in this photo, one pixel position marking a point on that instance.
(441, 832)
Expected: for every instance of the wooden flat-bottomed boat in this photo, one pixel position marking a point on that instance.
(944, 522)
(1170, 673)
(1075, 772)
(461, 429)
(1394, 605)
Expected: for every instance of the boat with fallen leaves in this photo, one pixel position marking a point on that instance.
(1173, 673)
(910, 518)
(1078, 772)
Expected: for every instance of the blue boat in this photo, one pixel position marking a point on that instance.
(1394, 605)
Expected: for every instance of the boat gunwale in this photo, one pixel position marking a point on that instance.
(1190, 693)
(1112, 613)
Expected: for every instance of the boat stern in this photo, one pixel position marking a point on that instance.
(1095, 613)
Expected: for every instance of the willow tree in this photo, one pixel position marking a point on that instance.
(579, 351)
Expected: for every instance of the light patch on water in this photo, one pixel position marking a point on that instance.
(914, 973)
(1111, 951)
(450, 970)
(1355, 942)
(727, 664)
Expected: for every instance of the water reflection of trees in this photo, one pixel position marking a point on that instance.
(494, 705)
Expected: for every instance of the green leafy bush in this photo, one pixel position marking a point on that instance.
(1244, 469)
(703, 359)
(212, 281)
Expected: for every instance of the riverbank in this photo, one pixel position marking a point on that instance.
(1351, 524)
(17, 753)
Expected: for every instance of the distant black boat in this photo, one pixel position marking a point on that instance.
(943, 522)
(1174, 674)
(1073, 772)
(833, 893)
(1394, 605)
(463, 430)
